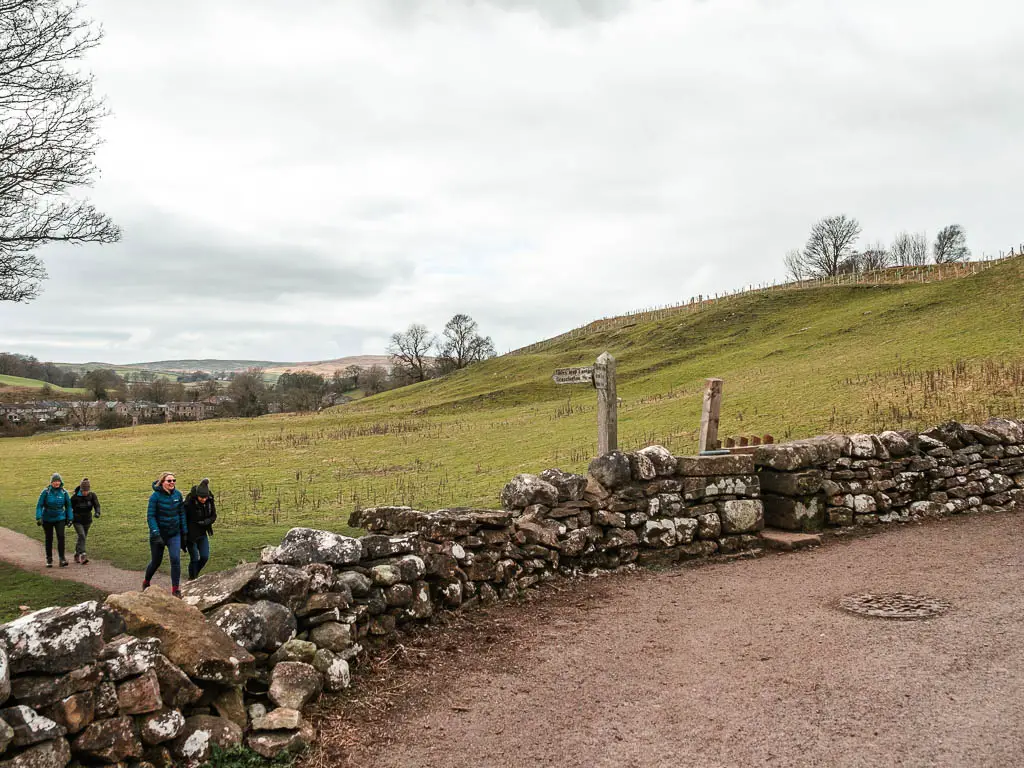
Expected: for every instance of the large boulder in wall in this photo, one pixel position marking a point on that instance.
(200, 648)
(214, 589)
(53, 640)
(49, 754)
(525, 490)
(302, 546)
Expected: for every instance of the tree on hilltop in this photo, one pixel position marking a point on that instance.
(830, 247)
(910, 250)
(409, 351)
(461, 344)
(875, 257)
(951, 245)
(794, 263)
(48, 121)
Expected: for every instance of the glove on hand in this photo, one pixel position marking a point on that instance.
(68, 523)
(39, 522)
(97, 514)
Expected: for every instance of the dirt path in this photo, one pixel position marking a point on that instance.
(736, 663)
(29, 554)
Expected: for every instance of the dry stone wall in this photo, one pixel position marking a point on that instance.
(841, 480)
(147, 680)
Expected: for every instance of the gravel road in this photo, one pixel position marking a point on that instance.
(747, 662)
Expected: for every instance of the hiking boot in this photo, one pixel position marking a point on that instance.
(84, 560)
(63, 563)
(49, 563)
(176, 592)
(145, 585)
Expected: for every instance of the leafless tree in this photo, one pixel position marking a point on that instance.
(794, 263)
(48, 121)
(248, 393)
(951, 245)
(372, 380)
(81, 413)
(461, 344)
(875, 257)
(830, 246)
(409, 350)
(910, 250)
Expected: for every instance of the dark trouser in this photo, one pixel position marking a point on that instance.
(198, 555)
(156, 550)
(81, 530)
(48, 529)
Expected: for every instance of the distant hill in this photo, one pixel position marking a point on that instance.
(323, 367)
(328, 367)
(175, 366)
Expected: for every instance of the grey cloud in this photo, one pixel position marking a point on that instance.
(536, 163)
(160, 258)
(561, 13)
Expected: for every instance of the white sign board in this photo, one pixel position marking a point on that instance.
(584, 375)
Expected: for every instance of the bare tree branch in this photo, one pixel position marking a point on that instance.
(875, 257)
(462, 345)
(910, 250)
(794, 263)
(409, 351)
(48, 121)
(830, 246)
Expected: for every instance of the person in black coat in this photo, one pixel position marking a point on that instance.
(84, 505)
(201, 514)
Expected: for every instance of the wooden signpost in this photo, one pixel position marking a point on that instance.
(709, 416)
(601, 375)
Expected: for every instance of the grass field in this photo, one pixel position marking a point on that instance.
(21, 588)
(18, 381)
(795, 363)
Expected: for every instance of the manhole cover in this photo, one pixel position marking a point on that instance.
(894, 606)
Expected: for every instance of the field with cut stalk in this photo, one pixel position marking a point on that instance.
(795, 363)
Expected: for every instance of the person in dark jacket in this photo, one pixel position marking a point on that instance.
(167, 529)
(200, 514)
(83, 504)
(53, 512)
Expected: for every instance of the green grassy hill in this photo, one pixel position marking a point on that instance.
(18, 381)
(795, 363)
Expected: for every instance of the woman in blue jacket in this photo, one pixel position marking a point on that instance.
(167, 529)
(53, 512)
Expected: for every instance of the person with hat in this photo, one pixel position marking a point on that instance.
(83, 504)
(53, 513)
(201, 514)
(167, 529)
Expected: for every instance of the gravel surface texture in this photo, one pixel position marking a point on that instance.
(746, 662)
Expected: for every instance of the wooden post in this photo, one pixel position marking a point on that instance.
(607, 404)
(709, 415)
(601, 376)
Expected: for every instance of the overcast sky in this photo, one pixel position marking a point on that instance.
(296, 181)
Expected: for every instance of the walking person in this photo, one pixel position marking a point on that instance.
(167, 529)
(200, 514)
(83, 504)
(53, 512)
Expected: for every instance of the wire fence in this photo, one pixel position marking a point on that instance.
(925, 273)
